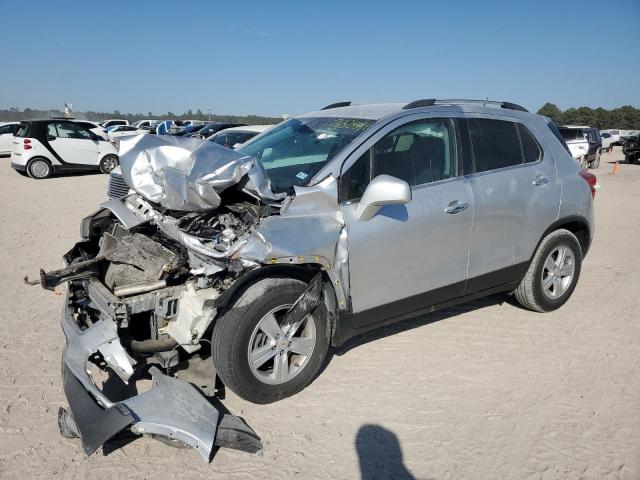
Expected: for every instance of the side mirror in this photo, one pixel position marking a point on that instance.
(382, 190)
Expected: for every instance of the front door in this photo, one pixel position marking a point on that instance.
(73, 143)
(408, 256)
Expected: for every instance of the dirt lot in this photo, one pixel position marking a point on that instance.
(482, 391)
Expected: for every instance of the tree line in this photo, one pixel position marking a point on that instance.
(625, 118)
(16, 115)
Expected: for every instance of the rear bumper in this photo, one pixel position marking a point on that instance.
(18, 167)
(172, 408)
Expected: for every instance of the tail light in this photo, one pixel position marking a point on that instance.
(27, 144)
(27, 141)
(591, 179)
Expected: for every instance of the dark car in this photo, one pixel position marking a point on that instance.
(631, 149)
(213, 127)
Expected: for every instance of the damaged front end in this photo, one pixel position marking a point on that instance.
(151, 275)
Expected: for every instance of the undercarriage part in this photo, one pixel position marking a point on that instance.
(153, 346)
(80, 270)
(139, 288)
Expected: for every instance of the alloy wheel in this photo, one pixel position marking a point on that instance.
(278, 352)
(558, 272)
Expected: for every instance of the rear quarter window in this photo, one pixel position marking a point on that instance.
(556, 133)
(530, 148)
(23, 130)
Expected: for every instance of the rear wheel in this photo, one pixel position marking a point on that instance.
(108, 163)
(39, 168)
(553, 273)
(257, 355)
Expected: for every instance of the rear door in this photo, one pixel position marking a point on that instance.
(73, 143)
(516, 197)
(413, 255)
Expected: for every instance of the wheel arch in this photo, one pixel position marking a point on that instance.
(303, 272)
(577, 225)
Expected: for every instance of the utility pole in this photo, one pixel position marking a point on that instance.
(209, 109)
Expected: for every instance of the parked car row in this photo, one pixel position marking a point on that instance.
(586, 143)
(41, 148)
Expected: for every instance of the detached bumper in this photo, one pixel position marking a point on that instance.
(172, 408)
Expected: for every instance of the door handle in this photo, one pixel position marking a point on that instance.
(456, 207)
(540, 180)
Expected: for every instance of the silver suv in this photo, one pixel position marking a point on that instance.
(328, 225)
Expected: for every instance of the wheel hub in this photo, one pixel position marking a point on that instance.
(278, 352)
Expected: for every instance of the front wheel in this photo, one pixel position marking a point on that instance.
(108, 163)
(257, 355)
(553, 273)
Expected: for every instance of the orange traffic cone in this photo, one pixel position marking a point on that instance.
(615, 169)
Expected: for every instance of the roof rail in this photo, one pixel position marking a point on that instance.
(428, 102)
(463, 101)
(336, 105)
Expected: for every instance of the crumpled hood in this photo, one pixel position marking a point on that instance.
(188, 174)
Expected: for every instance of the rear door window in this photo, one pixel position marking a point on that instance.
(495, 144)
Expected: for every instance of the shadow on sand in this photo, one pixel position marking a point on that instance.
(380, 455)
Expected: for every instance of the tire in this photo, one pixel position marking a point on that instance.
(39, 168)
(108, 163)
(531, 293)
(584, 163)
(236, 335)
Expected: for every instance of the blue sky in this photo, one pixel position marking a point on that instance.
(289, 57)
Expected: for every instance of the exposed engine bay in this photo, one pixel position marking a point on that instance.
(161, 277)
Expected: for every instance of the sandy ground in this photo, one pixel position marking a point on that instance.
(482, 391)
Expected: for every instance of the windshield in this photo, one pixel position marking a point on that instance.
(294, 151)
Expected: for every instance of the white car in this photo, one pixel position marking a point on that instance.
(614, 133)
(114, 121)
(235, 136)
(41, 148)
(146, 124)
(607, 140)
(117, 131)
(6, 136)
